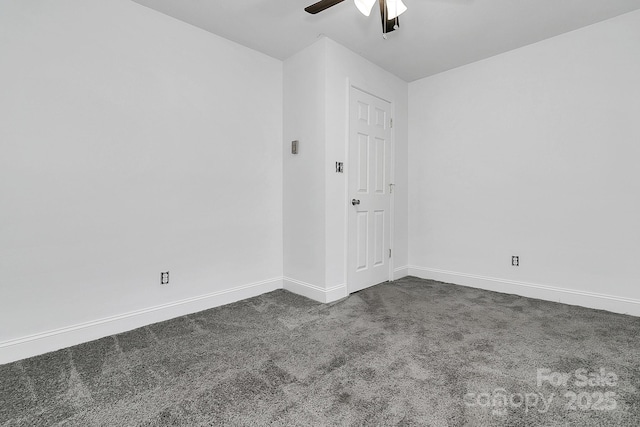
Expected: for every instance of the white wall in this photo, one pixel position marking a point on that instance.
(317, 113)
(125, 152)
(130, 144)
(303, 179)
(345, 68)
(533, 153)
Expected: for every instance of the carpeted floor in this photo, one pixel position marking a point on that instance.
(411, 352)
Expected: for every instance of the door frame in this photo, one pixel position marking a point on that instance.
(363, 88)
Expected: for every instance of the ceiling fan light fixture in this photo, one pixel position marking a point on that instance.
(395, 8)
(365, 6)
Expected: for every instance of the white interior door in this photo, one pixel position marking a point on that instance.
(369, 170)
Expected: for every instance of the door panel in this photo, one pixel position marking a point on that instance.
(379, 243)
(362, 240)
(380, 165)
(363, 163)
(369, 173)
(381, 118)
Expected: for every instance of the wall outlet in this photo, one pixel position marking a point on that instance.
(164, 278)
(515, 260)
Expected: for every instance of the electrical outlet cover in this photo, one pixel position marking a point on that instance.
(164, 278)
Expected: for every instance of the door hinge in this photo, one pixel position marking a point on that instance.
(389, 253)
(391, 123)
(391, 188)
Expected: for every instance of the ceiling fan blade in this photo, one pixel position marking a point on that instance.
(321, 5)
(390, 24)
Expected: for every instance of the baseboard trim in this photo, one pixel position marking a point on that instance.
(56, 339)
(595, 300)
(400, 272)
(314, 292)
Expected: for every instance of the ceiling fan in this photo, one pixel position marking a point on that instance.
(389, 11)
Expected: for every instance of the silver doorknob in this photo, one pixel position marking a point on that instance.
(355, 202)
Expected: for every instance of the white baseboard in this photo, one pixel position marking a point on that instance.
(315, 292)
(598, 301)
(400, 272)
(52, 340)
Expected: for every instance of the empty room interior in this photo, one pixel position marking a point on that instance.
(281, 212)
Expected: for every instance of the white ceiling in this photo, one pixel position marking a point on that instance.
(434, 35)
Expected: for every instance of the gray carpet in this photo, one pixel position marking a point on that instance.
(411, 352)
